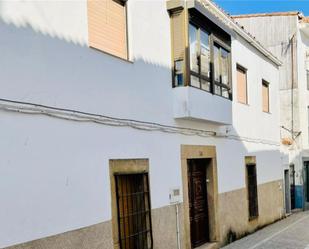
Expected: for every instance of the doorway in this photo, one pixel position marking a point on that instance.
(306, 184)
(198, 204)
(199, 173)
(287, 193)
(292, 185)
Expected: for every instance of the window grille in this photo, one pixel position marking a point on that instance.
(134, 211)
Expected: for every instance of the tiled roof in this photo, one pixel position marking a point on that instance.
(305, 19)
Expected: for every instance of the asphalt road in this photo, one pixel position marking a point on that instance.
(289, 233)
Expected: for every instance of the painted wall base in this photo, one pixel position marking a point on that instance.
(233, 216)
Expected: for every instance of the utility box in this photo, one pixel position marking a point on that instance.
(175, 195)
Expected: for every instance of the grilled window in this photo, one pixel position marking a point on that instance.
(134, 216)
(252, 191)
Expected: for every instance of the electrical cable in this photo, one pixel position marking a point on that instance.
(74, 115)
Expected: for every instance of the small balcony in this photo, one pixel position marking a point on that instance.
(195, 104)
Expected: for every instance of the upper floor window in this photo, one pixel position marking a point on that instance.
(199, 57)
(107, 26)
(242, 85)
(203, 54)
(221, 71)
(265, 96)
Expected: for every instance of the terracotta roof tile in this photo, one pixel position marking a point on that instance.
(305, 19)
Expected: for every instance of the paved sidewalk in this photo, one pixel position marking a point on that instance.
(290, 233)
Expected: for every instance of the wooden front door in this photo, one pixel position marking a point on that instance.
(198, 207)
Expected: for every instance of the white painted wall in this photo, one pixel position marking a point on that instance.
(303, 99)
(55, 172)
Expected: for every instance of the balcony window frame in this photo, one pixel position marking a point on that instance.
(200, 75)
(214, 40)
(218, 43)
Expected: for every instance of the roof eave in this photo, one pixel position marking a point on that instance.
(240, 31)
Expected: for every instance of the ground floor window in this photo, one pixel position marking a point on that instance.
(252, 191)
(134, 211)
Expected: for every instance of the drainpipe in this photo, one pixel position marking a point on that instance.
(292, 86)
(177, 226)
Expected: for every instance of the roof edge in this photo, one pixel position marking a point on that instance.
(288, 13)
(208, 4)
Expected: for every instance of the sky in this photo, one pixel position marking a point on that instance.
(236, 7)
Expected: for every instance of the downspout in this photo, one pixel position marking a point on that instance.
(292, 86)
(294, 77)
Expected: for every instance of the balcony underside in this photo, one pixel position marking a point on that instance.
(195, 104)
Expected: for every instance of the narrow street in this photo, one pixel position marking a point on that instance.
(290, 233)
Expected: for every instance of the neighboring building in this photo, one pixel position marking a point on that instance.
(173, 102)
(287, 36)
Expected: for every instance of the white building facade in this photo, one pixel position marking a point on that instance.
(155, 127)
(290, 44)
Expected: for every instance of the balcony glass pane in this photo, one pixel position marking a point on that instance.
(217, 90)
(217, 63)
(225, 66)
(205, 85)
(193, 32)
(205, 54)
(195, 81)
(225, 92)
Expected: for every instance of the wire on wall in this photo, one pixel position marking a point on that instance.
(74, 115)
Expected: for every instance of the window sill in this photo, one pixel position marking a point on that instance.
(209, 92)
(253, 218)
(267, 112)
(244, 104)
(115, 56)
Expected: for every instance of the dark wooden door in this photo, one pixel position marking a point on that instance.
(198, 207)
(292, 186)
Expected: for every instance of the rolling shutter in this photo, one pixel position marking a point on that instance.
(107, 26)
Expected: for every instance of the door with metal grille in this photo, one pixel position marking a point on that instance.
(198, 206)
(134, 211)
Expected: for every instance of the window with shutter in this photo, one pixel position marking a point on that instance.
(242, 85)
(265, 96)
(107, 26)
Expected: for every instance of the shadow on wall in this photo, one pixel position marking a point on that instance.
(43, 69)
